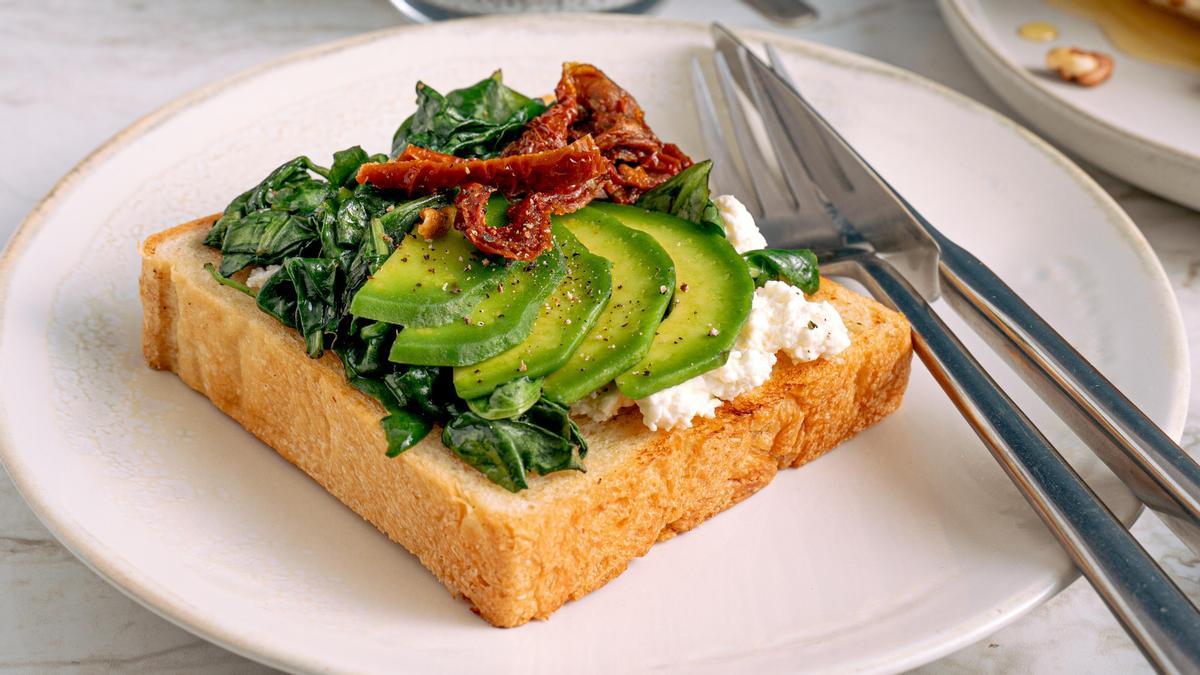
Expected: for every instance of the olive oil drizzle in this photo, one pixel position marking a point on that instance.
(1142, 30)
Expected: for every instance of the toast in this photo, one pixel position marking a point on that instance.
(512, 556)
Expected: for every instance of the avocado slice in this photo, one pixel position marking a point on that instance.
(711, 302)
(430, 283)
(502, 319)
(643, 275)
(561, 323)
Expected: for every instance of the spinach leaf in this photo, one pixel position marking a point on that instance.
(288, 187)
(264, 237)
(353, 219)
(686, 195)
(289, 178)
(508, 400)
(404, 429)
(367, 355)
(477, 121)
(344, 168)
(277, 297)
(557, 417)
(796, 267)
(484, 445)
(271, 221)
(301, 197)
(232, 213)
(343, 224)
(317, 311)
(303, 295)
(542, 440)
(226, 281)
(422, 388)
(366, 365)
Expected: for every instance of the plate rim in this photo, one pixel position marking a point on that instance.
(176, 611)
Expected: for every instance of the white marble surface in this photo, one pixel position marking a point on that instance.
(74, 73)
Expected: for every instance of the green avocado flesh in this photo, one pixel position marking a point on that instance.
(563, 320)
(712, 299)
(502, 319)
(642, 278)
(429, 283)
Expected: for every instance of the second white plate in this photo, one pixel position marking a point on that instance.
(1141, 125)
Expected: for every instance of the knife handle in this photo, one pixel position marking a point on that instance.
(1153, 466)
(1159, 617)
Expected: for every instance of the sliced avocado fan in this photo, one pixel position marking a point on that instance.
(712, 299)
(562, 322)
(642, 278)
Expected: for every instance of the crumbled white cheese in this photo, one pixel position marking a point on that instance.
(259, 276)
(739, 224)
(602, 404)
(804, 330)
(781, 320)
(676, 406)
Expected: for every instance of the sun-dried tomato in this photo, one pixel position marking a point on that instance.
(570, 201)
(417, 153)
(549, 171)
(614, 119)
(546, 131)
(529, 217)
(470, 206)
(590, 104)
(526, 235)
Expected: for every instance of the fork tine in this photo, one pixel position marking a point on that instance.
(810, 139)
(823, 166)
(725, 173)
(772, 199)
(808, 202)
(777, 64)
(861, 196)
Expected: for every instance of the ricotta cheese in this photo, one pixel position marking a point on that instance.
(677, 406)
(602, 404)
(781, 320)
(259, 276)
(803, 330)
(739, 224)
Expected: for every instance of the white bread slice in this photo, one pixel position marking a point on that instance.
(514, 557)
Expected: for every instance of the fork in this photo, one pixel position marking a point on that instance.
(820, 194)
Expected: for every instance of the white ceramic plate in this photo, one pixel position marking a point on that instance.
(1141, 125)
(901, 546)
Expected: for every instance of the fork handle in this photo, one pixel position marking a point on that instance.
(1158, 471)
(1153, 610)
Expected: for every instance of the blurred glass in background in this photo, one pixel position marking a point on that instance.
(435, 10)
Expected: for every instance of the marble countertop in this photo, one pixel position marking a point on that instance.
(77, 71)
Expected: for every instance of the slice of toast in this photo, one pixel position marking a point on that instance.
(514, 557)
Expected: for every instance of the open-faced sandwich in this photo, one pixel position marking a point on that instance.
(526, 345)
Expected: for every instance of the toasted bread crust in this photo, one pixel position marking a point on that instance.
(514, 557)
